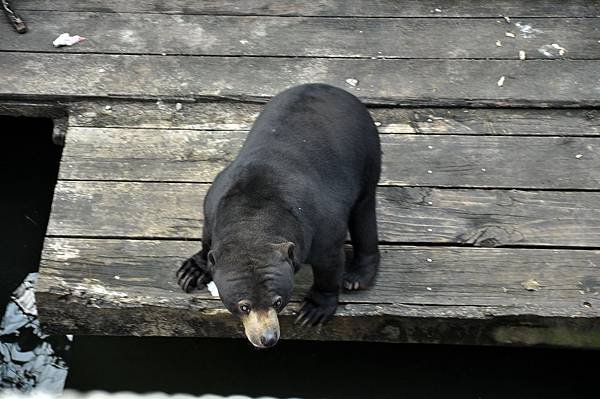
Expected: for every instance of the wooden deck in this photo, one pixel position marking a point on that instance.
(486, 190)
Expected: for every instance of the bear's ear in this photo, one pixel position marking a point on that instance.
(286, 249)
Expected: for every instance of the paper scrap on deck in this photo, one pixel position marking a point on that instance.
(212, 288)
(67, 40)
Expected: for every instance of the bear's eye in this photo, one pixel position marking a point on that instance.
(277, 303)
(245, 308)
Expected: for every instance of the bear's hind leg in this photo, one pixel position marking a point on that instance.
(361, 272)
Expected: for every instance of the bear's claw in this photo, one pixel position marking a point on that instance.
(361, 274)
(356, 281)
(191, 275)
(313, 314)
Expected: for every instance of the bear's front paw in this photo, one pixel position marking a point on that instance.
(191, 275)
(317, 308)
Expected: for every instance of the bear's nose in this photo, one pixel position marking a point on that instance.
(268, 338)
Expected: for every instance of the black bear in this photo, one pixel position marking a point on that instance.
(306, 174)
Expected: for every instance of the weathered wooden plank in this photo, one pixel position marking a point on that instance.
(117, 208)
(240, 116)
(310, 37)
(348, 8)
(32, 110)
(356, 322)
(473, 286)
(409, 160)
(408, 215)
(148, 154)
(455, 276)
(488, 217)
(537, 83)
(491, 161)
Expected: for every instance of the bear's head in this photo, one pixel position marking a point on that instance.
(255, 283)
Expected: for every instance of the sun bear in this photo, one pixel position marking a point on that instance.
(305, 176)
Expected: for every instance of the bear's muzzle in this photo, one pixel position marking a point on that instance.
(262, 327)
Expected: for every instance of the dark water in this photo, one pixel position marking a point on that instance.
(330, 369)
(28, 169)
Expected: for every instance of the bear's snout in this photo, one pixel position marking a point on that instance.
(262, 327)
(269, 338)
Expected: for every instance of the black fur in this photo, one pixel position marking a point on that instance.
(305, 175)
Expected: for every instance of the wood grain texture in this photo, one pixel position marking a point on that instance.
(127, 209)
(408, 159)
(348, 8)
(417, 215)
(475, 286)
(148, 131)
(33, 110)
(310, 37)
(455, 276)
(538, 83)
(491, 161)
(240, 116)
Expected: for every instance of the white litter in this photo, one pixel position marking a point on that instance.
(531, 285)
(429, 171)
(509, 34)
(178, 107)
(378, 124)
(212, 288)
(527, 31)
(352, 82)
(429, 260)
(498, 43)
(578, 156)
(561, 50)
(522, 55)
(544, 50)
(438, 10)
(507, 19)
(67, 40)
(501, 81)
(117, 277)
(428, 288)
